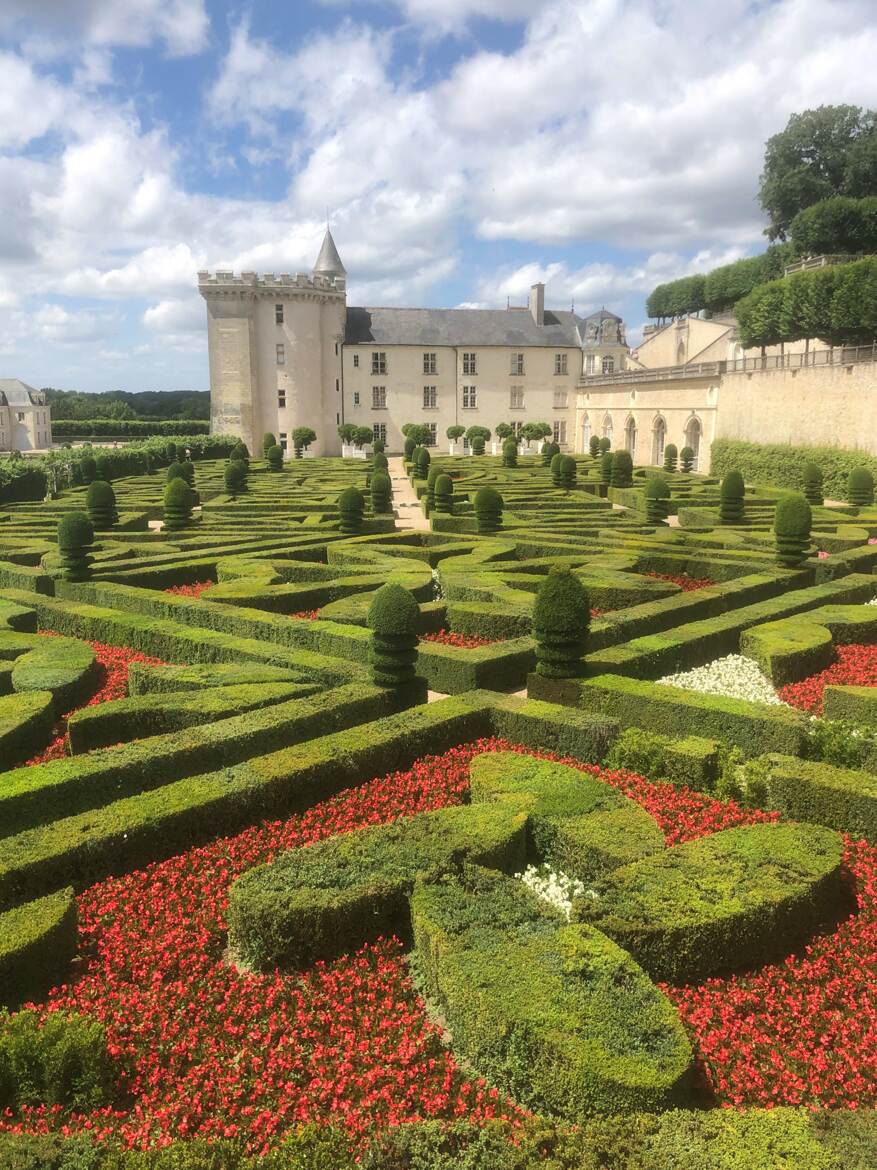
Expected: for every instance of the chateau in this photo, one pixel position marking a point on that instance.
(287, 351)
(25, 417)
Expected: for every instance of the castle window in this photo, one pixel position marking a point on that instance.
(516, 398)
(430, 366)
(283, 443)
(356, 398)
(281, 398)
(560, 363)
(561, 400)
(517, 367)
(590, 361)
(432, 435)
(379, 397)
(608, 365)
(379, 363)
(278, 314)
(430, 398)
(356, 361)
(19, 416)
(379, 432)
(281, 354)
(336, 349)
(469, 363)
(560, 431)
(469, 398)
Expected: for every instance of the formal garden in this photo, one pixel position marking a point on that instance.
(542, 833)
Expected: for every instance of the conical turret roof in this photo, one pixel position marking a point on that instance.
(329, 262)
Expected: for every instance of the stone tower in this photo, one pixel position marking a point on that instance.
(275, 351)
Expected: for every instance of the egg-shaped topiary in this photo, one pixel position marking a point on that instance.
(860, 487)
(240, 454)
(731, 495)
(235, 477)
(812, 476)
(174, 471)
(605, 444)
(686, 459)
(555, 465)
(100, 503)
(791, 525)
(510, 453)
(88, 468)
(394, 619)
(670, 456)
(594, 446)
(549, 450)
(476, 445)
(351, 506)
(378, 446)
(606, 468)
(75, 545)
(488, 511)
(274, 457)
(567, 470)
(382, 493)
(444, 494)
(561, 617)
(422, 460)
(177, 505)
(268, 441)
(380, 462)
(622, 470)
(431, 477)
(409, 448)
(657, 493)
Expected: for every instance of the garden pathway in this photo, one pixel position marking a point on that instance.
(405, 501)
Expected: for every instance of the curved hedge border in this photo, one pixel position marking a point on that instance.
(37, 943)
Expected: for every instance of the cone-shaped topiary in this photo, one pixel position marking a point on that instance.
(686, 459)
(594, 446)
(860, 487)
(477, 445)
(409, 448)
(657, 493)
(422, 462)
(791, 526)
(177, 505)
(274, 456)
(88, 468)
(606, 468)
(670, 457)
(488, 511)
(510, 453)
(235, 477)
(431, 476)
(556, 461)
(548, 453)
(605, 445)
(268, 441)
(622, 470)
(444, 494)
(100, 503)
(813, 483)
(567, 472)
(561, 616)
(351, 506)
(393, 618)
(731, 495)
(380, 462)
(75, 545)
(382, 493)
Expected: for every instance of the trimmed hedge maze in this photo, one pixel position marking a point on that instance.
(332, 838)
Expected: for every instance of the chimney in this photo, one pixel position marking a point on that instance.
(537, 303)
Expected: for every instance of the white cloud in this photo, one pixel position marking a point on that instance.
(177, 315)
(453, 15)
(180, 25)
(152, 271)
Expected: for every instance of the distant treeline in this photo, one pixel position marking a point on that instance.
(120, 404)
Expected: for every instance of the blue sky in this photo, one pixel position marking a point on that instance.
(463, 149)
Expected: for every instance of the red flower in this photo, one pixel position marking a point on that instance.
(855, 666)
(462, 641)
(190, 590)
(686, 584)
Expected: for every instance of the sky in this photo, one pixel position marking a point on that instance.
(462, 150)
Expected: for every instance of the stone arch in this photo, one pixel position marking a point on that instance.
(607, 426)
(693, 437)
(630, 436)
(586, 431)
(659, 438)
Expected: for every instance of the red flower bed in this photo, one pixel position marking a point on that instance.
(462, 641)
(190, 590)
(855, 666)
(686, 584)
(307, 615)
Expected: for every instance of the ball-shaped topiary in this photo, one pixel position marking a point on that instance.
(88, 468)
(75, 544)
(477, 445)
(622, 470)
(605, 444)
(100, 503)
(606, 468)
(860, 487)
(409, 448)
(594, 446)
(351, 506)
(380, 462)
(274, 456)
(382, 493)
(567, 472)
(731, 495)
(488, 511)
(555, 465)
(394, 619)
(422, 462)
(657, 493)
(548, 453)
(510, 453)
(177, 505)
(812, 477)
(686, 459)
(670, 456)
(444, 494)
(235, 477)
(561, 617)
(791, 526)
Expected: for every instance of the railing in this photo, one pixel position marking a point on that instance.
(659, 374)
(818, 262)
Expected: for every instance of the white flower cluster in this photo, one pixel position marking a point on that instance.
(436, 586)
(734, 676)
(873, 601)
(557, 888)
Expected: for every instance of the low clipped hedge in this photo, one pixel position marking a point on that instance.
(692, 762)
(26, 723)
(66, 667)
(59, 1061)
(37, 943)
(735, 898)
(841, 798)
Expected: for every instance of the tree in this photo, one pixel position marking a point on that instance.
(419, 432)
(455, 432)
(347, 433)
(837, 225)
(361, 436)
(505, 431)
(534, 431)
(831, 150)
(302, 437)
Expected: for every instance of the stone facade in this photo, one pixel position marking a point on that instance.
(25, 417)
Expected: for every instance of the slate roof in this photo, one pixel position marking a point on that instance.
(449, 327)
(14, 392)
(329, 262)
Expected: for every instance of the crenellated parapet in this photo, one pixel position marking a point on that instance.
(222, 282)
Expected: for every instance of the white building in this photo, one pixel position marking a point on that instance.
(25, 417)
(286, 351)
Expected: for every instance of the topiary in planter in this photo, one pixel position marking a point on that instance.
(622, 470)
(382, 493)
(606, 468)
(488, 511)
(235, 477)
(177, 505)
(422, 462)
(791, 526)
(813, 483)
(686, 459)
(594, 446)
(731, 495)
(556, 461)
(605, 445)
(860, 487)
(548, 453)
(670, 457)
(561, 617)
(75, 545)
(657, 493)
(351, 506)
(88, 468)
(510, 453)
(409, 448)
(268, 441)
(274, 455)
(567, 472)
(444, 494)
(393, 618)
(100, 503)
(477, 445)
(380, 461)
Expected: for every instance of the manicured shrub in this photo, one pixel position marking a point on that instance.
(62, 1062)
(422, 461)
(555, 465)
(561, 617)
(606, 468)
(103, 468)
(382, 493)
(567, 471)
(549, 450)
(605, 444)
(477, 445)
(177, 505)
(455, 432)
(351, 506)
(240, 453)
(302, 437)
(409, 448)
(594, 446)
(657, 493)
(393, 618)
(670, 456)
(235, 477)
(731, 495)
(488, 511)
(860, 487)
(174, 471)
(431, 477)
(510, 453)
(791, 525)
(274, 456)
(812, 476)
(380, 462)
(622, 470)
(37, 943)
(268, 441)
(378, 446)
(100, 503)
(170, 452)
(88, 468)
(444, 494)
(686, 459)
(75, 545)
